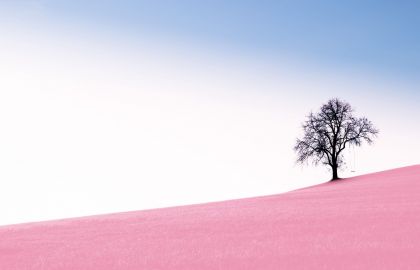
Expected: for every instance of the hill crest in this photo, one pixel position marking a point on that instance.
(368, 221)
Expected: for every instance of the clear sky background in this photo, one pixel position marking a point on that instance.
(110, 106)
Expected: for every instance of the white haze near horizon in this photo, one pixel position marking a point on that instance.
(91, 125)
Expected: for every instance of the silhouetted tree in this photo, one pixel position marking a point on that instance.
(328, 132)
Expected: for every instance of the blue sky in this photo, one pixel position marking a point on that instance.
(380, 36)
(160, 103)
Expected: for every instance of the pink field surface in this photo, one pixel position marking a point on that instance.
(365, 222)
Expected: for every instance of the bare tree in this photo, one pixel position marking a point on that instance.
(328, 132)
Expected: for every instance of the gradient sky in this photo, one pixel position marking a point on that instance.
(124, 105)
(378, 35)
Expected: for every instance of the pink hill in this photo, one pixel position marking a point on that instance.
(365, 222)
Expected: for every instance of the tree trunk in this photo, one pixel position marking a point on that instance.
(335, 173)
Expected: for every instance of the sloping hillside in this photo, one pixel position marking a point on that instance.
(365, 222)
